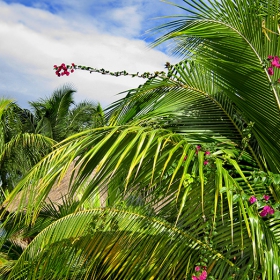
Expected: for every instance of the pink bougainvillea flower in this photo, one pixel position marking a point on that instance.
(270, 71)
(270, 57)
(207, 153)
(63, 69)
(275, 62)
(197, 268)
(203, 275)
(195, 278)
(263, 213)
(205, 162)
(198, 147)
(266, 197)
(271, 211)
(267, 210)
(252, 199)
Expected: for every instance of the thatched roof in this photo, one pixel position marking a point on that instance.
(57, 193)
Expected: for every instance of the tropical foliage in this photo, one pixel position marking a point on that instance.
(29, 135)
(182, 180)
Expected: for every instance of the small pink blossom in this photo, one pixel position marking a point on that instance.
(198, 147)
(197, 268)
(270, 57)
(252, 199)
(203, 275)
(266, 197)
(195, 278)
(275, 62)
(271, 211)
(63, 69)
(205, 162)
(270, 71)
(267, 210)
(207, 153)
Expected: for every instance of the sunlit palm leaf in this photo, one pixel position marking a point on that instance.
(114, 244)
(228, 38)
(51, 113)
(193, 102)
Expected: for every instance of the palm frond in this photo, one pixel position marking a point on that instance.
(193, 102)
(230, 39)
(51, 113)
(104, 243)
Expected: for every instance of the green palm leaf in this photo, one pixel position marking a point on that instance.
(193, 102)
(233, 39)
(51, 113)
(104, 244)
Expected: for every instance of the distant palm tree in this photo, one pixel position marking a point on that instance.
(58, 116)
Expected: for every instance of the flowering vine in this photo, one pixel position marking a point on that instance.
(267, 209)
(64, 69)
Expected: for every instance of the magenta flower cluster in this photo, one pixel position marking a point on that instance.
(252, 199)
(274, 62)
(267, 210)
(63, 69)
(202, 275)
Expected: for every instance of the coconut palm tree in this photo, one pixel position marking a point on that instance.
(58, 116)
(188, 166)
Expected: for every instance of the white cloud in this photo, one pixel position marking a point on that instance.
(124, 21)
(33, 40)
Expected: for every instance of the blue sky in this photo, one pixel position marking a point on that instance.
(108, 34)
